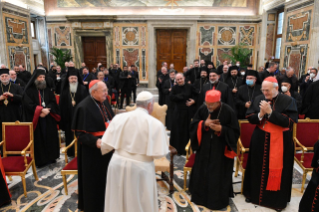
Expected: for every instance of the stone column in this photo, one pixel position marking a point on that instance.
(313, 58)
(263, 39)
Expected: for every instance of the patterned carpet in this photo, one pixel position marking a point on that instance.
(47, 195)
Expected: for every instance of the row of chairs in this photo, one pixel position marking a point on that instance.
(305, 135)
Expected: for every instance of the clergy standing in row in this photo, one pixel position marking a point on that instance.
(91, 118)
(5, 196)
(247, 93)
(183, 95)
(72, 93)
(310, 102)
(10, 99)
(268, 175)
(131, 182)
(214, 134)
(40, 107)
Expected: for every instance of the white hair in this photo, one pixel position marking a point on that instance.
(275, 84)
(93, 88)
(144, 103)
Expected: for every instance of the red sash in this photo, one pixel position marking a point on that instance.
(100, 133)
(275, 154)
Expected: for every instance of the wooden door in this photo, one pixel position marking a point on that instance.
(94, 51)
(171, 48)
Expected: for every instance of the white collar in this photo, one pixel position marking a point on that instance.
(142, 109)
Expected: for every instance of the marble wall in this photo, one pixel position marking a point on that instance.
(297, 39)
(270, 37)
(17, 37)
(60, 36)
(130, 47)
(215, 39)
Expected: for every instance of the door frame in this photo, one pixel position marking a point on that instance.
(152, 26)
(78, 45)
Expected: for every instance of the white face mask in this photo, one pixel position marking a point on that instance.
(312, 75)
(238, 64)
(284, 89)
(308, 71)
(242, 73)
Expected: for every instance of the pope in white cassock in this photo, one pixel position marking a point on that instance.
(137, 139)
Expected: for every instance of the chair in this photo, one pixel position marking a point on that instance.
(190, 159)
(305, 135)
(162, 164)
(72, 167)
(57, 98)
(246, 131)
(18, 144)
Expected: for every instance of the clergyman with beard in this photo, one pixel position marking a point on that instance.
(40, 107)
(72, 93)
(10, 99)
(199, 84)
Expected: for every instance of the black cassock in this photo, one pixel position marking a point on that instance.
(199, 85)
(284, 114)
(245, 94)
(67, 111)
(5, 197)
(88, 78)
(12, 111)
(182, 115)
(46, 140)
(89, 125)
(234, 83)
(211, 177)
(223, 88)
(159, 85)
(310, 102)
(309, 201)
(168, 84)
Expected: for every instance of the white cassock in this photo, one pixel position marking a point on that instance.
(138, 139)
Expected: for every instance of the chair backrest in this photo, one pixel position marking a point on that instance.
(16, 136)
(159, 112)
(307, 132)
(246, 131)
(57, 98)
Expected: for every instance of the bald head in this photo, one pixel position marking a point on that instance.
(180, 79)
(99, 91)
(269, 89)
(290, 72)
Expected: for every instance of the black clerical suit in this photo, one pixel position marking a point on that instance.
(246, 94)
(159, 85)
(88, 78)
(110, 83)
(264, 74)
(192, 74)
(126, 87)
(182, 115)
(223, 88)
(24, 76)
(89, 124)
(19, 82)
(310, 103)
(135, 80)
(167, 89)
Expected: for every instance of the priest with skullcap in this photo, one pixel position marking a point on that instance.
(10, 99)
(268, 175)
(214, 134)
(247, 93)
(131, 182)
(72, 93)
(90, 120)
(40, 107)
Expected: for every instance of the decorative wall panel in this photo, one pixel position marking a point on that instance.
(296, 57)
(206, 35)
(60, 36)
(213, 40)
(130, 46)
(226, 36)
(298, 27)
(247, 35)
(19, 56)
(18, 42)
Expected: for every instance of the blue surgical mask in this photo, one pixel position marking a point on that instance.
(249, 82)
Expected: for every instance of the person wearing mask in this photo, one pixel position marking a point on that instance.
(308, 79)
(310, 103)
(287, 90)
(247, 93)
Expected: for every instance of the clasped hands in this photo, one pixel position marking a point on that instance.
(213, 124)
(45, 112)
(265, 108)
(5, 95)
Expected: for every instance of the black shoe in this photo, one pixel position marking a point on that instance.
(247, 200)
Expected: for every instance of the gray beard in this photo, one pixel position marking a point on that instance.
(73, 87)
(5, 82)
(41, 85)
